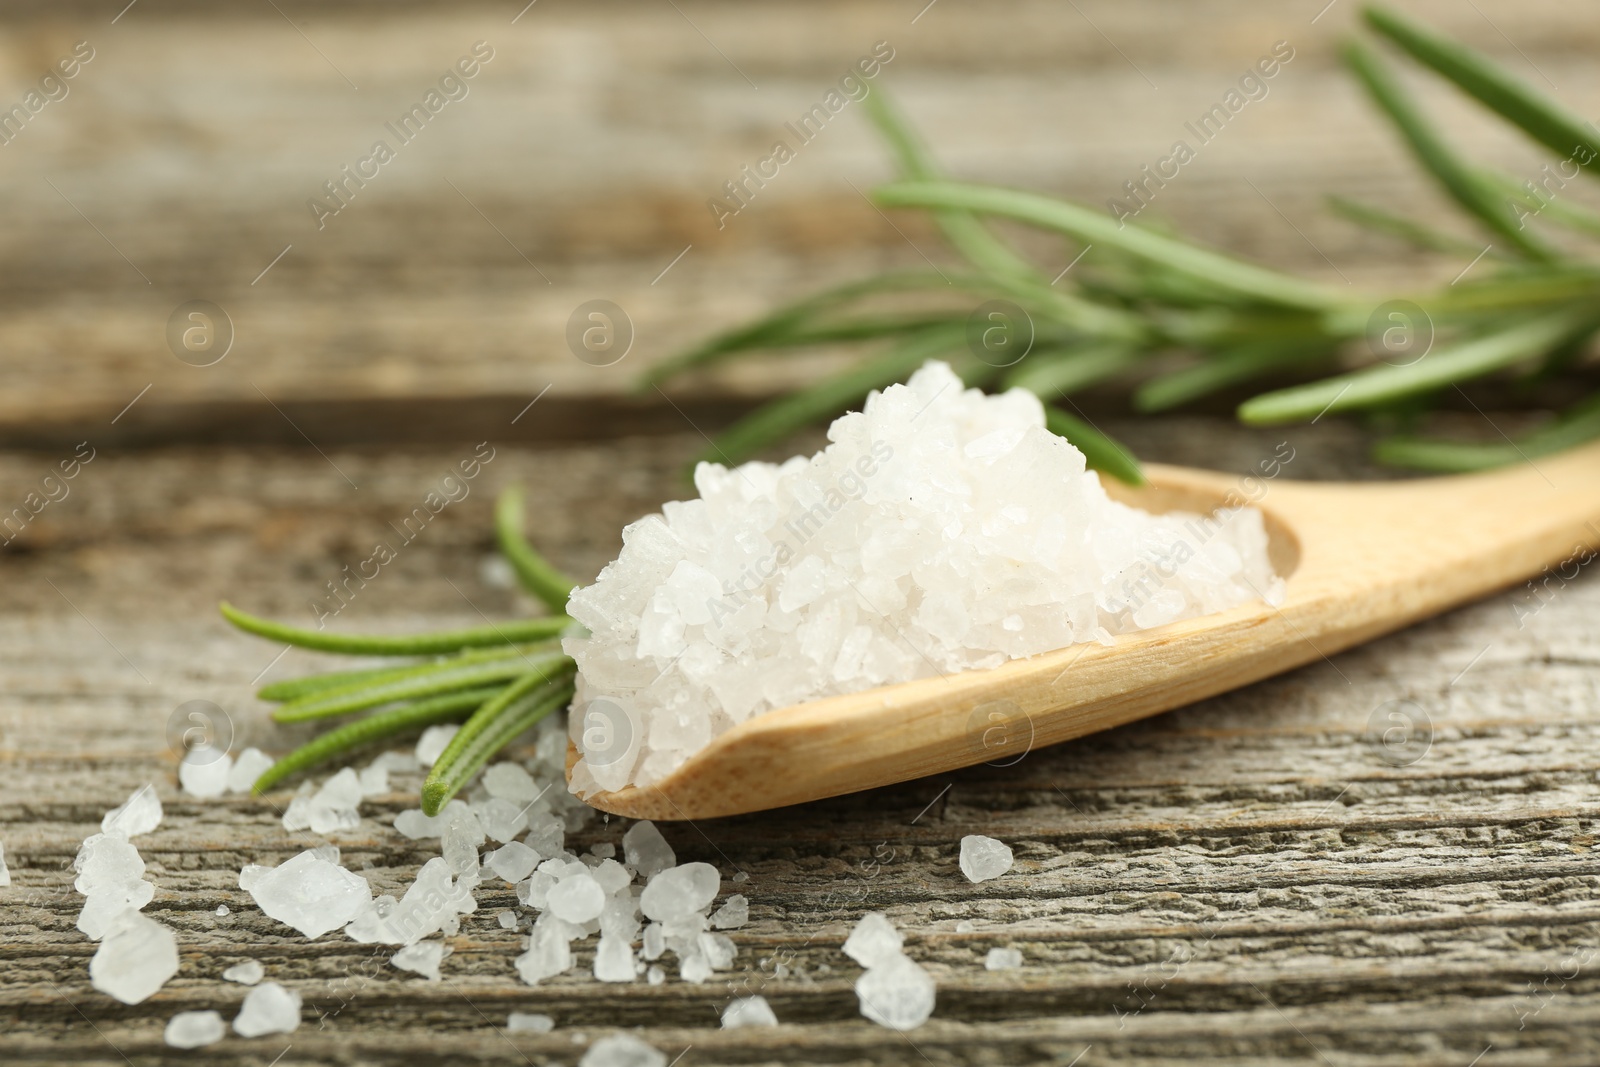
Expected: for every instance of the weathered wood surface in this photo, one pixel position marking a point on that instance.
(1243, 881)
(591, 142)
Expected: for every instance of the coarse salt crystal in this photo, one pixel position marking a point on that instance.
(434, 740)
(1003, 959)
(422, 958)
(983, 858)
(896, 993)
(247, 973)
(269, 1008)
(622, 1050)
(941, 530)
(135, 959)
(139, 814)
(194, 1029)
(251, 764)
(203, 771)
(748, 1011)
(874, 940)
(309, 892)
(530, 1022)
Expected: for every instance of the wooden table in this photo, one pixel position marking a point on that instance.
(1249, 880)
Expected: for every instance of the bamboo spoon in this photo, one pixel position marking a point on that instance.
(1360, 560)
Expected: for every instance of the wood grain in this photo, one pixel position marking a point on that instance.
(1244, 880)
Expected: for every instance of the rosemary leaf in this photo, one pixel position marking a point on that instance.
(379, 726)
(1579, 424)
(536, 573)
(492, 727)
(1532, 112)
(1229, 368)
(504, 633)
(1439, 368)
(1095, 227)
(412, 684)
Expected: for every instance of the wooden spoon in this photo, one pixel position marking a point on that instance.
(1360, 560)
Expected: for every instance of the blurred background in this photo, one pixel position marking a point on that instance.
(345, 357)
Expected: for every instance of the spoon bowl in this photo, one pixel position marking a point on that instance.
(1359, 560)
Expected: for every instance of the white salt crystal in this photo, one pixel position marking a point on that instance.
(459, 843)
(269, 1008)
(512, 861)
(655, 975)
(603, 850)
(613, 960)
(622, 1050)
(680, 890)
(508, 920)
(896, 993)
(310, 893)
(423, 958)
(578, 899)
(646, 851)
(104, 906)
(374, 780)
(416, 825)
(548, 954)
(508, 781)
(1003, 959)
(222, 911)
(530, 1022)
(734, 913)
(194, 1029)
(983, 858)
(251, 764)
(135, 960)
(139, 814)
(941, 530)
(748, 1011)
(203, 772)
(429, 905)
(335, 806)
(874, 940)
(5, 872)
(247, 973)
(434, 740)
(502, 819)
(547, 834)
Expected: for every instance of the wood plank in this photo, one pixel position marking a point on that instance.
(1242, 881)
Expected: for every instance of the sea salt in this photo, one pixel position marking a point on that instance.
(139, 814)
(247, 973)
(983, 858)
(251, 764)
(680, 891)
(508, 920)
(646, 851)
(748, 1011)
(335, 806)
(942, 530)
(1003, 959)
(422, 958)
(268, 1009)
(310, 892)
(111, 878)
(194, 1029)
(222, 911)
(512, 861)
(578, 899)
(622, 1050)
(135, 959)
(530, 1022)
(874, 940)
(203, 772)
(734, 913)
(434, 740)
(896, 993)
(5, 872)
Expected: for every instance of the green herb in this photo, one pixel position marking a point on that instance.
(1141, 294)
(498, 679)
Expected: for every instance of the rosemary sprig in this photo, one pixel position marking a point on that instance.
(498, 679)
(1144, 293)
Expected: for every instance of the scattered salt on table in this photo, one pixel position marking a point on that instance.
(269, 1008)
(423, 958)
(310, 892)
(203, 772)
(139, 814)
(874, 940)
(748, 1011)
(136, 958)
(194, 1029)
(895, 991)
(1003, 959)
(983, 858)
(247, 973)
(622, 1050)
